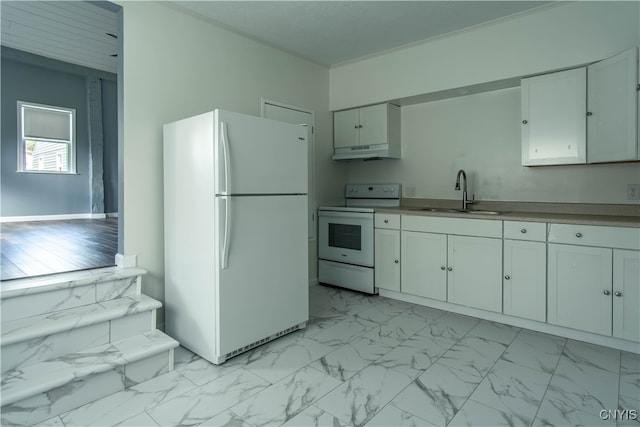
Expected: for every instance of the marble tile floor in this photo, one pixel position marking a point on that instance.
(372, 361)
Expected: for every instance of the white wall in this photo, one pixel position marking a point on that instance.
(560, 36)
(481, 134)
(177, 65)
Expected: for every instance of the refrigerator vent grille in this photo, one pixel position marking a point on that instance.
(262, 341)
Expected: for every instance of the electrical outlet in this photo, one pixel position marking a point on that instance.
(410, 191)
(633, 191)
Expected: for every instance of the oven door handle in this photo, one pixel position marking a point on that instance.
(335, 214)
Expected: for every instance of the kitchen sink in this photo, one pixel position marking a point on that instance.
(448, 210)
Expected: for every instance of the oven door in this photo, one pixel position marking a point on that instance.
(346, 237)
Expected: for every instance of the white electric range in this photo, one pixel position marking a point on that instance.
(346, 237)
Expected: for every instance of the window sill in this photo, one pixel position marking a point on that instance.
(48, 173)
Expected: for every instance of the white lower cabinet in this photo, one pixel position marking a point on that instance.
(580, 280)
(387, 259)
(594, 279)
(387, 251)
(525, 279)
(475, 272)
(424, 264)
(575, 276)
(465, 270)
(626, 294)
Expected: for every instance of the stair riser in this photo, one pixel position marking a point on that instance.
(33, 304)
(37, 350)
(44, 406)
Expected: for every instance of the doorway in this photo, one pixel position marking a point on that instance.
(297, 115)
(60, 220)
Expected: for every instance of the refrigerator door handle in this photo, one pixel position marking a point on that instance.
(225, 147)
(224, 262)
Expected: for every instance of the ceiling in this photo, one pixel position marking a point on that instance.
(326, 32)
(331, 32)
(70, 31)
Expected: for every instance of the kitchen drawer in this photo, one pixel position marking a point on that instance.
(387, 221)
(591, 235)
(520, 230)
(448, 225)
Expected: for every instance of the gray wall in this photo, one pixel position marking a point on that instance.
(31, 78)
(110, 128)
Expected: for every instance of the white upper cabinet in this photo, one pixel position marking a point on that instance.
(372, 131)
(371, 125)
(612, 102)
(553, 118)
(584, 115)
(346, 128)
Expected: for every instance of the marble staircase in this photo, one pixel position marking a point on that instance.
(69, 339)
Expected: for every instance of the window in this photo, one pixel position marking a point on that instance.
(46, 138)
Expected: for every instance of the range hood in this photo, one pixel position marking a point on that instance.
(367, 152)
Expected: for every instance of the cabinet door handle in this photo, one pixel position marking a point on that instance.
(397, 261)
(442, 267)
(355, 127)
(450, 268)
(606, 292)
(507, 277)
(524, 122)
(578, 235)
(589, 114)
(523, 230)
(618, 294)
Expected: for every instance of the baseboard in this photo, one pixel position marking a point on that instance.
(547, 328)
(51, 217)
(112, 214)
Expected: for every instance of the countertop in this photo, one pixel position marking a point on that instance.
(603, 215)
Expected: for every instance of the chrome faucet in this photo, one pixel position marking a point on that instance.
(465, 202)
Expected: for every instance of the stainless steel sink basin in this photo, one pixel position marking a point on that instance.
(448, 210)
(484, 212)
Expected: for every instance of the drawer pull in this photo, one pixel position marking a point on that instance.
(618, 294)
(606, 292)
(507, 277)
(578, 235)
(523, 230)
(386, 221)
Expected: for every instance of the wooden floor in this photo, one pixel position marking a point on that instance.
(45, 247)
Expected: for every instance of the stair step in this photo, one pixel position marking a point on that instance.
(38, 392)
(28, 297)
(35, 339)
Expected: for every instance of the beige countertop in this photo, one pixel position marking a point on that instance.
(563, 213)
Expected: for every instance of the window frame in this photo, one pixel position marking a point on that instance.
(71, 142)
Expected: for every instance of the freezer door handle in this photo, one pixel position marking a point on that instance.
(224, 136)
(224, 262)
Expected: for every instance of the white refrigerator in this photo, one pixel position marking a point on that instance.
(235, 232)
